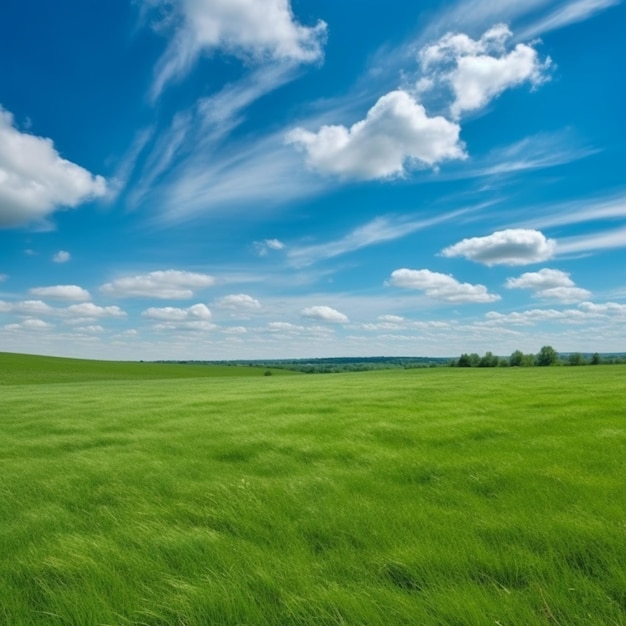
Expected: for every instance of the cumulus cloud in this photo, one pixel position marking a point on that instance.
(29, 325)
(441, 286)
(283, 327)
(239, 302)
(168, 284)
(173, 314)
(516, 246)
(35, 180)
(38, 308)
(608, 308)
(194, 318)
(324, 314)
(254, 30)
(62, 256)
(584, 312)
(26, 307)
(89, 310)
(549, 284)
(478, 71)
(61, 292)
(395, 135)
(91, 329)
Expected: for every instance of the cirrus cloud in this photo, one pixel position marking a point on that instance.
(257, 30)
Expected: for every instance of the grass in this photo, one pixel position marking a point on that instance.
(17, 369)
(437, 496)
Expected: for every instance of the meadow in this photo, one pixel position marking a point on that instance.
(442, 496)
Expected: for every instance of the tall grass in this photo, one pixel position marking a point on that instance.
(441, 496)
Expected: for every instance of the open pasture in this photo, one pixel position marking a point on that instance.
(430, 497)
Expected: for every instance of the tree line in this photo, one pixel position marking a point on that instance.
(545, 357)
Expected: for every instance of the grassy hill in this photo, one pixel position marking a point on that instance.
(20, 369)
(429, 496)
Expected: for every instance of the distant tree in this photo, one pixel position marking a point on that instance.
(528, 360)
(464, 361)
(489, 360)
(596, 359)
(474, 359)
(547, 356)
(576, 358)
(516, 359)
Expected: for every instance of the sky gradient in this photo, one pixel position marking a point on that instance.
(241, 179)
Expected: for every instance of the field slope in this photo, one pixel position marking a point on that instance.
(428, 497)
(16, 369)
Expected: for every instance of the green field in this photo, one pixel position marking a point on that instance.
(424, 497)
(17, 369)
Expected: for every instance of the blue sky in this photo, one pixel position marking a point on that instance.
(234, 179)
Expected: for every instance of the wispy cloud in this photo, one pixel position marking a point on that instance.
(566, 14)
(259, 31)
(594, 242)
(379, 230)
(602, 208)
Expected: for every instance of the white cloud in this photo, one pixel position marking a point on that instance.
(196, 318)
(608, 308)
(283, 326)
(257, 30)
(239, 302)
(379, 230)
(324, 314)
(3, 277)
(61, 292)
(395, 135)
(172, 314)
(393, 319)
(549, 284)
(62, 256)
(235, 330)
(263, 247)
(580, 211)
(35, 180)
(89, 310)
(168, 284)
(91, 329)
(534, 316)
(585, 312)
(516, 246)
(566, 14)
(441, 286)
(593, 242)
(26, 307)
(29, 324)
(480, 70)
